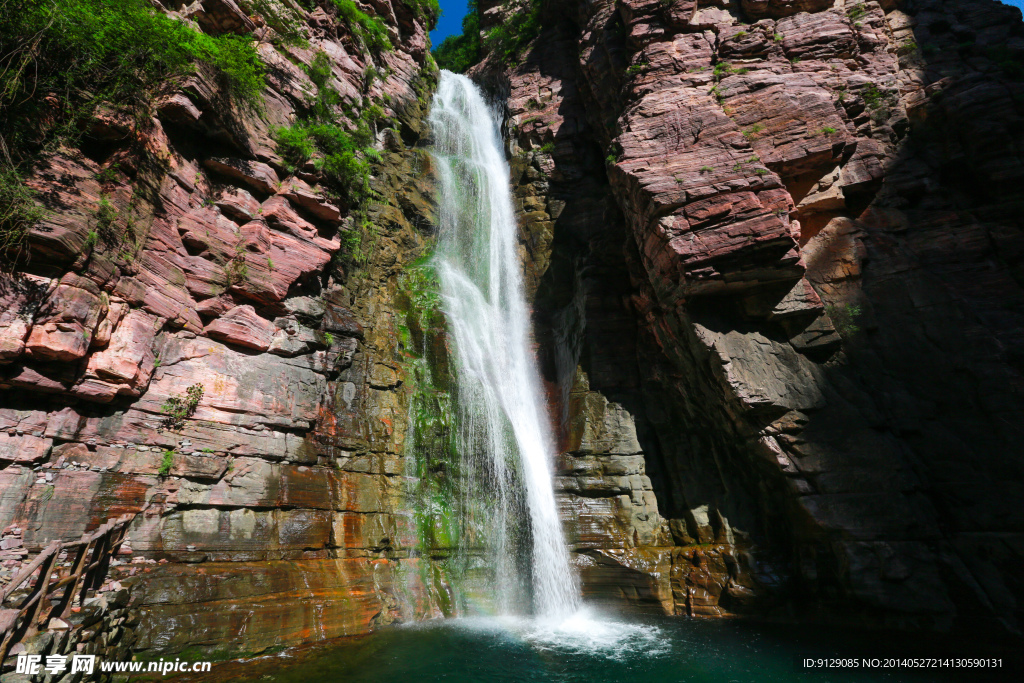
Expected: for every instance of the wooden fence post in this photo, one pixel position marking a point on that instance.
(87, 572)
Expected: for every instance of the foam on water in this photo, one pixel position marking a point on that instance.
(587, 632)
(590, 633)
(504, 438)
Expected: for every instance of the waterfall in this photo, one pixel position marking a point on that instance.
(504, 438)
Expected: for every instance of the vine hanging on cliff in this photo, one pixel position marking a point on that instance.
(19, 211)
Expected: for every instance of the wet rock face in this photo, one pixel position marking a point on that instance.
(781, 237)
(207, 262)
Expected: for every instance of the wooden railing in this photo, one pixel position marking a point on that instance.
(92, 554)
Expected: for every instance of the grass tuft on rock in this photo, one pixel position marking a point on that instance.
(370, 31)
(177, 409)
(81, 53)
(19, 211)
(62, 60)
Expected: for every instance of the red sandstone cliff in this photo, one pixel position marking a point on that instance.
(785, 239)
(782, 323)
(271, 516)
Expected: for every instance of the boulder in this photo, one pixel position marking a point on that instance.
(255, 174)
(129, 359)
(242, 326)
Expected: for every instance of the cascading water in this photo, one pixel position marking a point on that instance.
(504, 439)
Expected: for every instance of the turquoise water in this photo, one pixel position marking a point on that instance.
(605, 651)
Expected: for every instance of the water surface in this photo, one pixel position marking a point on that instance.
(593, 649)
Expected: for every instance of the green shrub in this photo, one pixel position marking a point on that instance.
(348, 171)
(508, 38)
(873, 97)
(844, 317)
(370, 31)
(374, 112)
(107, 175)
(752, 132)
(177, 409)
(236, 59)
(106, 214)
(84, 53)
(344, 155)
(237, 270)
(723, 69)
(18, 213)
(429, 10)
(908, 45)
(293, 144)
(319, 70)
(706, 169)
(458, 53)
(1007, 62)
(166, 464)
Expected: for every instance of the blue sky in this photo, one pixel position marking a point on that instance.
(450, 22)
(453, 10)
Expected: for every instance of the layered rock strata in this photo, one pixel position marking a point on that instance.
(183, 251)
(783, 239)
(774, 249)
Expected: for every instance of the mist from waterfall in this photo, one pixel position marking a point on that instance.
(504, 440)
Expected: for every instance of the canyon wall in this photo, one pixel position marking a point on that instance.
(776, 250)
(181, 250)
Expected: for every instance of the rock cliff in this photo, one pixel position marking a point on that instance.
(776, 254)
(774, 249)
(183, 250)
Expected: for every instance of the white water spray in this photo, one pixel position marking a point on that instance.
(504, 433)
